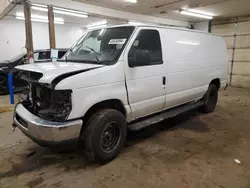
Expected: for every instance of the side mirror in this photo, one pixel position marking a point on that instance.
(140, 58)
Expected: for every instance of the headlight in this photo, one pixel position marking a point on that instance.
(53, 105)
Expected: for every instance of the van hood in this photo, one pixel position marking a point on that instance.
(52, 71)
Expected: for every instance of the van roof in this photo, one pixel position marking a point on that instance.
(159, 26)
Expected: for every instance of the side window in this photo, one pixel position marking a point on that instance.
(44, 55)
(61, 54)
(146, 49)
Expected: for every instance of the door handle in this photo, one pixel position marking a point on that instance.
(164, 80)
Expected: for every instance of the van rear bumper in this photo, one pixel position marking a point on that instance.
(44, 132)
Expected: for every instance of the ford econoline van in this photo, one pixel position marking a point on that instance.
(120, 78)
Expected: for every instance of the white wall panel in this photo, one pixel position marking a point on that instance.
(224, 29)
(242, 55)
(242, 69)
(240, 51)
(242, 41)
(230, 54)
(229, 41)
(202, 26)
(243, 28)
(241, 81)
(12, 37)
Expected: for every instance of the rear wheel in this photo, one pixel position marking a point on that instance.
(4, 84)
(104, 135)
(210, 99)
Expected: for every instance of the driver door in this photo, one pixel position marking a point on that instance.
(146, 82)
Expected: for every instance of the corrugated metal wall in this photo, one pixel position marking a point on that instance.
(236, 33)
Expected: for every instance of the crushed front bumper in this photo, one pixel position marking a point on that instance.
(43, 132)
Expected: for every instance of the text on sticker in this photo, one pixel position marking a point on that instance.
(117, 41)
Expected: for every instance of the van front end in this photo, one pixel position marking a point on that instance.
(44, 116)
(45, 132)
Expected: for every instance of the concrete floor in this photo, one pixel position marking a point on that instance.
(193, 150)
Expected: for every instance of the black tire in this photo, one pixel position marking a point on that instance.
(3, 84)
(104, 126)
(210, 99)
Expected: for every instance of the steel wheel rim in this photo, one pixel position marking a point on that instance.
(110, 138)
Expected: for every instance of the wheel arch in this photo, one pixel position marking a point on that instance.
(216, 82)
(110, 103)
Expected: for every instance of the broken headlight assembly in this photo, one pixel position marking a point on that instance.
(52, 105)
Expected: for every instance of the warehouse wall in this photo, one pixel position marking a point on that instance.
(3, 5)
(202, 26)
(12, 37)
(236, 33)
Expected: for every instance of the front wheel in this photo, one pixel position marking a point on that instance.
(210, 99)
(104, 135)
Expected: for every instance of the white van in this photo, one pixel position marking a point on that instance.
(119, 78)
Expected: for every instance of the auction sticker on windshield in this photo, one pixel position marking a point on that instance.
(117, 41)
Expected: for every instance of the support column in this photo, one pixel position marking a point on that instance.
(52, 37)
(28, 30)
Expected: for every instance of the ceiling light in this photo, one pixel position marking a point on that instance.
(200, 12)
(63, 11)
(35, 16)
(39, 20)
(103, 22)
(131, 1)
(196, 14)
(97, 27)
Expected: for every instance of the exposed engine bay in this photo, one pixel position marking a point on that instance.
(53, 105)
(44, 101)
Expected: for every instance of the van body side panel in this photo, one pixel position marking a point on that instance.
(92, 87)
(192, 61)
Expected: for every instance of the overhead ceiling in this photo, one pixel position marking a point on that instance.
(170, 8)
(71, 20)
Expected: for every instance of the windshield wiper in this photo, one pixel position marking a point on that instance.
(96, 54)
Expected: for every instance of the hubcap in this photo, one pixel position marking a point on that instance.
(110, 137)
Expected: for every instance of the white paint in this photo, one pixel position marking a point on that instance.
(188, 69)
(51, 70)
(108, 12)
(12, 37)
(202, 26)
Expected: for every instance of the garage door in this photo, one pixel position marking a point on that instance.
(236, 33)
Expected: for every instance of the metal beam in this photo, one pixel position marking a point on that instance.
(28, 29)
(52, 37)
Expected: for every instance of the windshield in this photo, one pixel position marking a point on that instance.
(102, 46)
